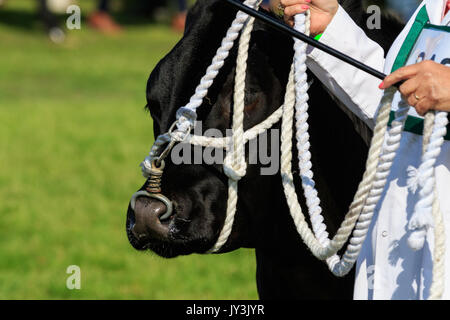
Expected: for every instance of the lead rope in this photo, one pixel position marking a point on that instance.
(427, 209)
(322, 247)
(433, 140)
(234, 165)
(369, 191)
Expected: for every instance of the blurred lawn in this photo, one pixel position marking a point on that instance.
(72, 133)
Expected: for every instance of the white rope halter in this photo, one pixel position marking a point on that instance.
(384, 146)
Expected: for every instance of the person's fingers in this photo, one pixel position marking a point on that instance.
(289, 21)
(295, 9)
(409, 86)
(423, 106)
(287, 3)
(412, 101)
(399, 75)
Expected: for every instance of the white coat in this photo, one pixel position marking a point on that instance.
(387, 267)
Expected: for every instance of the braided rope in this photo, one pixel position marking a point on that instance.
(234, 164)
(427, 209)
(428, 193)
(250, 134)
(422, 218)
(390, 148)
(438, 286)
(302, 24)
(316, 246)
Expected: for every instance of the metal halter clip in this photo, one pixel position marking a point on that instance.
(172, 142)
(165, 153)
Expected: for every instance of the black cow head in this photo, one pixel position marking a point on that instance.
(199, 191)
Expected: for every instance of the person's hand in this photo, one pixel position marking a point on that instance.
(322, 12)
(427, 85)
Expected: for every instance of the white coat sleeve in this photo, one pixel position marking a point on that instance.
(357, 90)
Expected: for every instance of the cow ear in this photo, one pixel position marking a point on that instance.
(189, 19)
(197, 13)
(205, 11)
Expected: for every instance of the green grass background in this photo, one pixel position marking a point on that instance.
(72, 134)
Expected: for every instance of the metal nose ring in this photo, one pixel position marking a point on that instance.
(158, 196)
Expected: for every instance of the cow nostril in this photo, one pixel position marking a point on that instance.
(156, 207)
(137, 243)
(131, 219)
(147, 218)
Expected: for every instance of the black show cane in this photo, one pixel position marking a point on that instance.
(303, 37)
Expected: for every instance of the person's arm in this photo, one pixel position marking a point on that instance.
(357, 90)
(426, 87)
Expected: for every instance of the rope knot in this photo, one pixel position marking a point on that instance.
(413, 179)
(146, 166)
(234, 170)
(420, 222)
(186, 118)
(416, 239)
